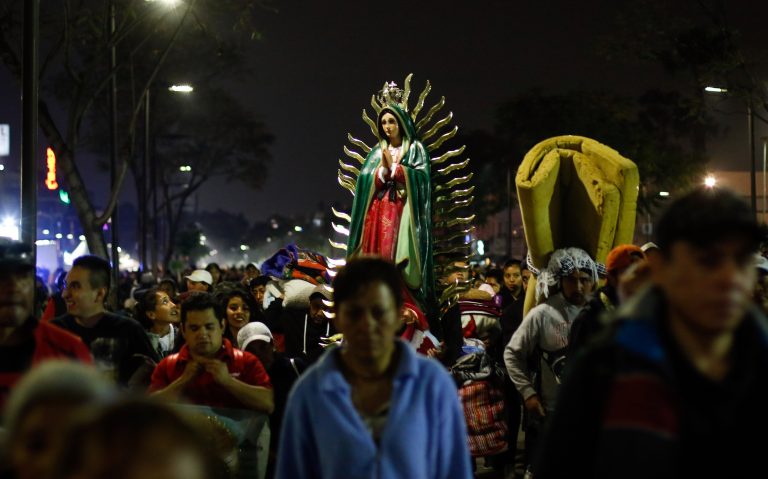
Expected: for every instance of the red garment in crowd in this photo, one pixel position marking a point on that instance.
(279, 342)
(417, 333)
(203, 390)
(382, 223)
(51, 342)
(50, 310)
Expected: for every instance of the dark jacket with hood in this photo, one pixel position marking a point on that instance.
(633, 406)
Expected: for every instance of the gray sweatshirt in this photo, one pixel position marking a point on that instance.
(546, 326)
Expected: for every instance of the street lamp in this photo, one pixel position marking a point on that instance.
(170, 3)
(765, 166)
(150, 167)
(183, 88)
(750, 146)
(710, 181)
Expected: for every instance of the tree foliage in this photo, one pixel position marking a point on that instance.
(203, 36)
(657, 130)
(207, 136)
(664, 131)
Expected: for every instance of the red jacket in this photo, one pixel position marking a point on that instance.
(51, 342)
(203, 390)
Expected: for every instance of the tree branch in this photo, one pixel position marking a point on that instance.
(9, 57)
(101, 220)
(105, 81)
(67, 43)
(52, 54)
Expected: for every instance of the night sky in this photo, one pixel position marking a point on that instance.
(319, 62)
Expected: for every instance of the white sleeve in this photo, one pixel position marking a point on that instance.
(519, 349)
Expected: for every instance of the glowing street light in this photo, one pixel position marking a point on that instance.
(664, 193)
(170, 3)
(710, 181)
(715, 89)
(183, 88)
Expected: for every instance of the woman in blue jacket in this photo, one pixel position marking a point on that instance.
(372, 407)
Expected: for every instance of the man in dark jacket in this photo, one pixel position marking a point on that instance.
(119, 345)
(679, 388)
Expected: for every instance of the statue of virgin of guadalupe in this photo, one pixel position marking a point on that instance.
(392, 213)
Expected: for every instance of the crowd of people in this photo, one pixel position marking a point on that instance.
(648, 365)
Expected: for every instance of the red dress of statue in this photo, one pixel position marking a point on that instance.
(383, 219)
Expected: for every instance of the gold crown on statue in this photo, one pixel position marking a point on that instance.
(390, 93)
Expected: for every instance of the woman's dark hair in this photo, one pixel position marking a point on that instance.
(400, 126)
(223, 295)
(146, 302)
(363, 271)
(496, 274)
(512, 262)
(210, 267)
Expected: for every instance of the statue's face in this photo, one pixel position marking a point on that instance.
(390, 126)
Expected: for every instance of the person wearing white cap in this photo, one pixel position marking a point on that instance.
(259, 338)
(199, 280)
(256, 338)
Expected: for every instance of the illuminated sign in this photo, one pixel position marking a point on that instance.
(50, 177)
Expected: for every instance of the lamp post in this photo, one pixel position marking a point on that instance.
(150, 176)
(752, 165)
(29, 125)
(750, 147)
(112, 26)
(143, 192)
(765, 185)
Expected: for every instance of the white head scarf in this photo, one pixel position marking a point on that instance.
(562, 263)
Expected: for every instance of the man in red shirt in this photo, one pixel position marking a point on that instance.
(209, 370)
(25, 341)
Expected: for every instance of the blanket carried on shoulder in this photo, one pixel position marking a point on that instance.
(293, 262)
